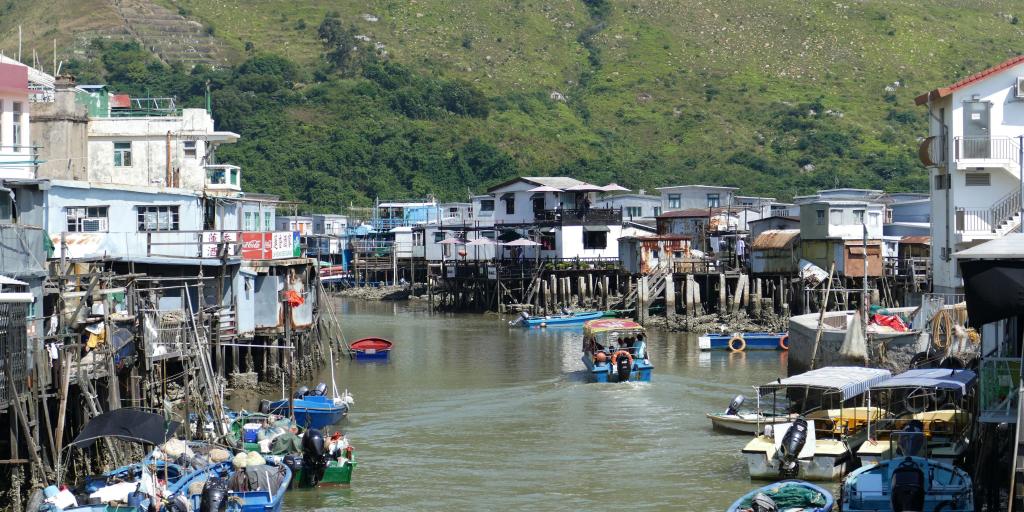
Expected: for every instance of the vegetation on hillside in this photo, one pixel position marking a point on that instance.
(344, 101)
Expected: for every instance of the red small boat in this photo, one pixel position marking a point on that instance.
(371, 349)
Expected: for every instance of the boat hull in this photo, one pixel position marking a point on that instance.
(312, 413)
(641, 371)
(772, 489)
(754, 341)
(251, 501)
(743, 423)
(372, 355)
(574, 319)
(827, 463)
(944, 486)
(336, 473)
(371, 349)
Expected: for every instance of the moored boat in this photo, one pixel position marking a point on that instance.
(312, 408)
(930, 415)
(616, 351)
(787, 495)
(735, 421)
(742, 341)
(313, 460)
(817, 445)
(371, 349)
(254, 487)
(908, 483)
(578, 318)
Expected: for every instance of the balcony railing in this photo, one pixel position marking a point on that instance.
(990, 219)
(580, 216)
(987, 148)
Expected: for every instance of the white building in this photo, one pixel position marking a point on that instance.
(558, 213)
(832, 231)
(633, 206)
(17, 155)
(686, 197)
(299, 223)
(973, 150)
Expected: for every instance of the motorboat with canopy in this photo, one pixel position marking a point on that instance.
(930, 415)
(833, 410)
(615, 350)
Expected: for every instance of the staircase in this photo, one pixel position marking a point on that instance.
(655, 286)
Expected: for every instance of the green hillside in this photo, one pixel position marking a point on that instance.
(779, 97)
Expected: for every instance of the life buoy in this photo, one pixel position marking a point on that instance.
(784, 342)
(737, 344)
(615, 357)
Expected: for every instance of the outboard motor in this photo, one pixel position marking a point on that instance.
(565, 311)
(623, 368)
(301, 392)
(523, 316)
(734, 406)
(314, 457)
(265, 406)
(907, 487)
(763, 503)
(789, 450)
(215, 496)
(911, 438)
(294, 463)
(321, 389)
(177, 503)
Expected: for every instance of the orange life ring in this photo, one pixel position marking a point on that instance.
(615, 357)
(740, 347)
(784, 342)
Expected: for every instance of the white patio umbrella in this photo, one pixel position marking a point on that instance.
(481, 242)
(545, 188)
(614, 187)
(585, 187)
(521, 242)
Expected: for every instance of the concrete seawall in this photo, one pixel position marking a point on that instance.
(885, 350)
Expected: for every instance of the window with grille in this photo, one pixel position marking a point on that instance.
(675, 201)
(87, 219)
(122, 154)
(858, 216)
(158, 218)
(978, 179)
(820, 217)
(268, 222)
(633, 211)
(17, 125)
(713, 201)
(189, 148)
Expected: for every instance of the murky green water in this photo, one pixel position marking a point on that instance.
(472, 415)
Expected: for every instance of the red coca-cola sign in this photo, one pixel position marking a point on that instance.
(256, 246)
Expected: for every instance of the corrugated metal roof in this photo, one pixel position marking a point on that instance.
(775, 239)
(849, 381)
(916, 239)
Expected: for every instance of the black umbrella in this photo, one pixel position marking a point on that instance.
(994, 289)
(127, 424)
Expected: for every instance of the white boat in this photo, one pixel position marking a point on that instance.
(817, 445)
(732, 420)
(929, 404)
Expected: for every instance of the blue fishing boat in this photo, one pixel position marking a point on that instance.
(908, 483)
(222, 486)
(741, 341)
(786, 495)
(578, 318)
(313, 408)
(615, 350)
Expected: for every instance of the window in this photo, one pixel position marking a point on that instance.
(122, 154)
(16, 127)
(675, 201)
(547, 242)
(6, 210)
(438, 236)
(978, 179)
(858, 216)
(633, 211)
(595, 239)
(538, 205)
(713, 201)
(510, 206)
(247, 221)
(490, 235)
(190, 148)
(657, 211)
(268, 222)
(487, 205)
(835, 217)
(821, 217)
(158, 218)
(941, 181)
(87, 219)
(873, 216)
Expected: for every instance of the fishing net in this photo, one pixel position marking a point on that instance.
(788, 496)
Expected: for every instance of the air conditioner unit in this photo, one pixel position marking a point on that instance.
(1019, 92)
(94, 225)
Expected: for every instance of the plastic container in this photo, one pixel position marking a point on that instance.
(250, 432)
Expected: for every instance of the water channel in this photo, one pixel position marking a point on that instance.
(473, 415)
